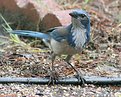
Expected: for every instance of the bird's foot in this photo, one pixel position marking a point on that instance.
(53, 78)
(79, 75)
(80, 78)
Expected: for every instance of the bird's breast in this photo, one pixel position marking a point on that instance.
(62, 47)
(79, 37)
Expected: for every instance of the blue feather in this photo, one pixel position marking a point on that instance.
(57, 36)
(31, 34)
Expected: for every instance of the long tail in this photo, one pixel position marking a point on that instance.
(31, 34)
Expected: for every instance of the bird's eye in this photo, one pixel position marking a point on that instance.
(82, 16)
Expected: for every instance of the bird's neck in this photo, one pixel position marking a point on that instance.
(78, 32)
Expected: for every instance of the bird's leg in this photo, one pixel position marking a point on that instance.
(79, 75)
(53, 75)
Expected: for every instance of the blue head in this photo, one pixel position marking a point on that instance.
(80, 19)
(81, 16)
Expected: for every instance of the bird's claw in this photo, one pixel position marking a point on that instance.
(80, 79)
(53, 78)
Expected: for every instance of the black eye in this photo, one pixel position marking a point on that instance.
(82, 15)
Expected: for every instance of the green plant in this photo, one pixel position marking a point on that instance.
(87, 1)
(8, 29)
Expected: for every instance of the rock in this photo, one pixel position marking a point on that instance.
(8, 95)
(13, 5)
(56, 18)
(36, 11)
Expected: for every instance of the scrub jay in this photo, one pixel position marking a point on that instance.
(67, 40)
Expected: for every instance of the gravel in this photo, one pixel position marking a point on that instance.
(34, 90)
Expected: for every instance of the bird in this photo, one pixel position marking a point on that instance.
(65, 40)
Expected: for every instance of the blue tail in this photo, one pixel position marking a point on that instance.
(31, 34)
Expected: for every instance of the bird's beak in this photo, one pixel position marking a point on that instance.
(72, 14)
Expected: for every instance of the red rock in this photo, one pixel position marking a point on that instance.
(27, 9)
(57, 18)
(46, 10)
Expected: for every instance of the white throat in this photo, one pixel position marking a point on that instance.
(79, 36)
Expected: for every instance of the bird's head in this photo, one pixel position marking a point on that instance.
(80, 31)
(80, 17)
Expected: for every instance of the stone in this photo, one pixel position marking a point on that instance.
(56, 18)
(36, 11)
(8, 95)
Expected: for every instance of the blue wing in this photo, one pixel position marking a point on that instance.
(60, 34)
